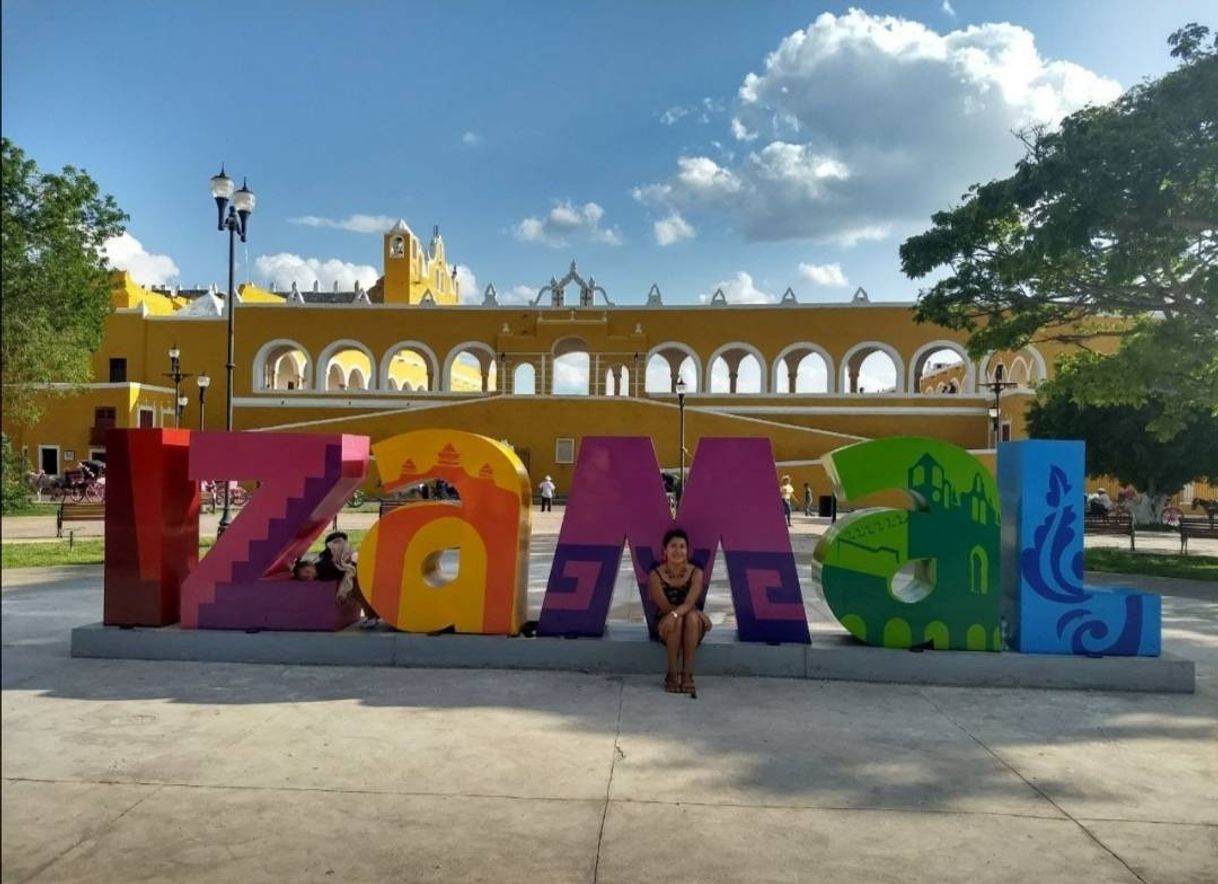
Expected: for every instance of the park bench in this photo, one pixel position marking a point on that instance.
(77, 512)
(1198, 527)
(1116, 524)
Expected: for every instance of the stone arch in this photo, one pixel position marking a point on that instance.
(524, 380)
(667, 351)
(571, 351)
(356, 379)
(335, 379)
(482, 352)
(917, 364)
(1037, 369)
(726, 352)
(267, 359)
(1019, 373)
(799, 352)
(425, 353)
(855, 357)
(617, 380)
(392, 384)
(332, 350)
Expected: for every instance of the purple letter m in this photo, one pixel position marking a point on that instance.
(617, 496)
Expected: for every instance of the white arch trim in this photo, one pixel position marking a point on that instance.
(699, 387)
(891, 351)
(264, 353)
(429, 357)
(830, 373)
(970, 368)
(1037, 368)
(323, 361)
(751, 351)
(467, 346)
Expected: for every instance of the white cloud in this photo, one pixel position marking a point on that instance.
(702, 111)
(828, 275)
(518, 294)
(565, 222)
(467, 285)
(741, 290)
(869, 122)
(125, 252)
(673, 228)
(354, 223)
(748, 376)
(571, 374)
(471, 139)
(948, 8)
(877, 374)
(285, 268)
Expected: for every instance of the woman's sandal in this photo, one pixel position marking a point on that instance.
(687, 683)
(672, 684)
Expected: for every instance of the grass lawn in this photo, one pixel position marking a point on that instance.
(90, 551)
(1153, 564)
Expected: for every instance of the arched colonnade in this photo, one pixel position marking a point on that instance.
(737, 367)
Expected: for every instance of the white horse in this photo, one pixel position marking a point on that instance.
(39, 482)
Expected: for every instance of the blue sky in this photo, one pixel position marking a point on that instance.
(628, 135)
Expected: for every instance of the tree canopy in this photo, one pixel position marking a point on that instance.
(56, 279)
(1119, 446)
(1109, 226)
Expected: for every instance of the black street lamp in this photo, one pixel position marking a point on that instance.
(236, 222)
(182, 402)
(176, 375)
(996, 386)
(204, 382)
(681, 421)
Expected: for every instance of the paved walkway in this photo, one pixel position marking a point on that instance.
(127, 771)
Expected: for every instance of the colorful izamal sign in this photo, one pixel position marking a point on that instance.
(968, 564)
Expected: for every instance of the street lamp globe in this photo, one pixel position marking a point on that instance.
(182, 401)
(174, 353)
(221, 186)
(243, 199)
(993, 414)
(681, 388)
(203, 381)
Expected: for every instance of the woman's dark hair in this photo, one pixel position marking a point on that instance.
(300, 564)
(335, 535)
(672, 534)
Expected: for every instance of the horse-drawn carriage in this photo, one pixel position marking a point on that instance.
(87, 482)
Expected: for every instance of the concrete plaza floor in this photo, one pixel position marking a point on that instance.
(130, 771)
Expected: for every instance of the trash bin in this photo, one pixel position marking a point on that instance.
(826, 505)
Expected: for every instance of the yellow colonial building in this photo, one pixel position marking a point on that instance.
(407, 354)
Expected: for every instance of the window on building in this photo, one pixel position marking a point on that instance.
(147, 418)
(104, 418)
(564, 451)
(118, 371)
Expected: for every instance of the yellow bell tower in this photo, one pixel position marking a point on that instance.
(402, 256)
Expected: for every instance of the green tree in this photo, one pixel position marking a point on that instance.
(1109, 226)
(1119, 445)
(56, 280)
(14, 493)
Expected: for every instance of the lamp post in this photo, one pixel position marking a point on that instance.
(681, 421)
(996, 386)
(204, 382)
(182, 402)
(176, 375)
(236, 222)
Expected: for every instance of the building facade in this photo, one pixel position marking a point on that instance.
(407, 354)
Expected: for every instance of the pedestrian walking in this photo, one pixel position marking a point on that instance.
(788, 496)
(547, 494)
(807, 499)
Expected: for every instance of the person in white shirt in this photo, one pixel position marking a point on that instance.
(547, 495)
